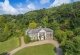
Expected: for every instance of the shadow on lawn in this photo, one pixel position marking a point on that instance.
(58, 51)
(4, 53)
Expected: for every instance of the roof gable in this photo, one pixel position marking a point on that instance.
(42, 30)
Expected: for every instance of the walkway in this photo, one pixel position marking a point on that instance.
(22, 43)
(55, 43)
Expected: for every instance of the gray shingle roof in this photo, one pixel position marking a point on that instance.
(38, 29)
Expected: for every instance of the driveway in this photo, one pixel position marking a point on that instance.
(59, 51)
(53, 42)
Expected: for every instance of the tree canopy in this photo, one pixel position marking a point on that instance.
(64, 20)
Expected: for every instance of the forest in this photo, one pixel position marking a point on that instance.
(64, 20)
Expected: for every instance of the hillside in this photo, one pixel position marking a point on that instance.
(64, 20)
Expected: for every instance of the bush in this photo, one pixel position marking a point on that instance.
(27, 39)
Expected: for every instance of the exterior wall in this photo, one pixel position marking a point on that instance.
(42, 34)
(36, 36)
(49, 35)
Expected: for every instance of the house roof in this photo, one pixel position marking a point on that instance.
(38, 29)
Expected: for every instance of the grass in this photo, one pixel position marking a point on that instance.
(46, 49)
(9, 45)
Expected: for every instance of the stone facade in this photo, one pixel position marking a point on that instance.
(40, 33)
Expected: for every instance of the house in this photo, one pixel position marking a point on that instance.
(40, 33)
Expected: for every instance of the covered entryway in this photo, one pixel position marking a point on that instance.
(42, 35)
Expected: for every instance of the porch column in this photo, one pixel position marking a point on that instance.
(45, 35)
(38, 37)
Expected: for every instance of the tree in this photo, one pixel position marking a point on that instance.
(32, 25)
(44, 21)
(77, 31)
(70, 34)
(60, 35)
(68, 48)
(54, 25)
(2, 19)
(76, 41)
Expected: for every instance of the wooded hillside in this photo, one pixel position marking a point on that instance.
(64, 20)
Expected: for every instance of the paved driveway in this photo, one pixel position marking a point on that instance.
(59, 51)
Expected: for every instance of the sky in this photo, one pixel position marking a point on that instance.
(22, 6)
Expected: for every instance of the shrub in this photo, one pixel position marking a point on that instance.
(27, 39)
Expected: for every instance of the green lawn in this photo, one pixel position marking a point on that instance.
(46, 49)
(9, 44)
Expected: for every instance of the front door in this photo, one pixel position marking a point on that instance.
(42, 37)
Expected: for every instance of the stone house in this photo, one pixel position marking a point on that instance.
(40, 33)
